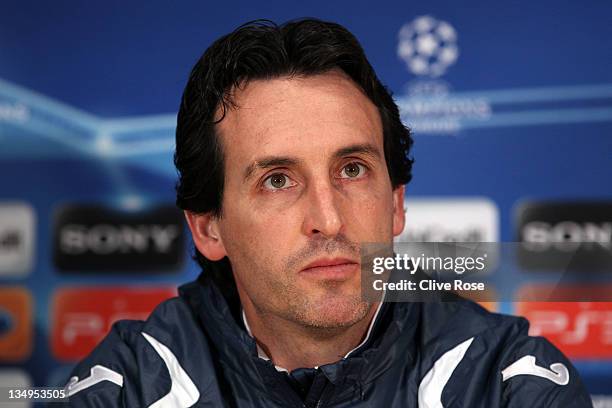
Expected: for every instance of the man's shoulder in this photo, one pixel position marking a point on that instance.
(170, 322)
(499, 337)
(471, 342)
(169, 344)
(463, 318)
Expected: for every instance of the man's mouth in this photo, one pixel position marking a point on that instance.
(331, 268)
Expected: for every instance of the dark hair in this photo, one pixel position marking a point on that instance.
(264, 50)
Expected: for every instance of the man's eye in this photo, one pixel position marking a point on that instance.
(278, 181)
(353, 170)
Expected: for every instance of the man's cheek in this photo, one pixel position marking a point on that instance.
(371, 213)
(278, 225)
(263, 204)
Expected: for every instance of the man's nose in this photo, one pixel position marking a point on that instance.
(323, 210)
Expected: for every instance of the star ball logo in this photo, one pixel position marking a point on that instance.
(428, 46)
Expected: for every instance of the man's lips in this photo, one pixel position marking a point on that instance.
(331, 268)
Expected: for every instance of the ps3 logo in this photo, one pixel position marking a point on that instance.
(573, 329)
(91, 324)
(82, 316)
(580, 329)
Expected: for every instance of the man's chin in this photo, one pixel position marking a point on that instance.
(333, 312)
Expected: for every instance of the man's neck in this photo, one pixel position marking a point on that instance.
(290, 345)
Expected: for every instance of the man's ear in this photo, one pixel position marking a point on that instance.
(205, 232)
(399, 216)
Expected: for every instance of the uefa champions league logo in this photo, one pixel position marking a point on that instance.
(428, 46)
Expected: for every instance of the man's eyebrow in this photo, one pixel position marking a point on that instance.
(364, 148)
(274, 161)
(267, 162)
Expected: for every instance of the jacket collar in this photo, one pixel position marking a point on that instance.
(264, 356)
(392, 331)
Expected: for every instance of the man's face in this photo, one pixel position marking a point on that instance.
(305, 183)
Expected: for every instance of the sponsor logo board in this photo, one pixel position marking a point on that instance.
(565, 237)
(95, 238)
(82, 316)
(16, 329)
(17, 238)
(580, 329)
(450, 220)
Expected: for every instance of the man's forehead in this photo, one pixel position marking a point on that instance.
(274, 116)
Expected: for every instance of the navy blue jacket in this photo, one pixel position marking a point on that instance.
(194, 352)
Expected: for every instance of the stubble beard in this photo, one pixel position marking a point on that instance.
(335, 312)
(327, 304)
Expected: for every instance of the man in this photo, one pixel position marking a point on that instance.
(290, 154)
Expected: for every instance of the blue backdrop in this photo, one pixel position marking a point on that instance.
(510, 104)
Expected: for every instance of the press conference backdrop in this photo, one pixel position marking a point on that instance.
(510, 104)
